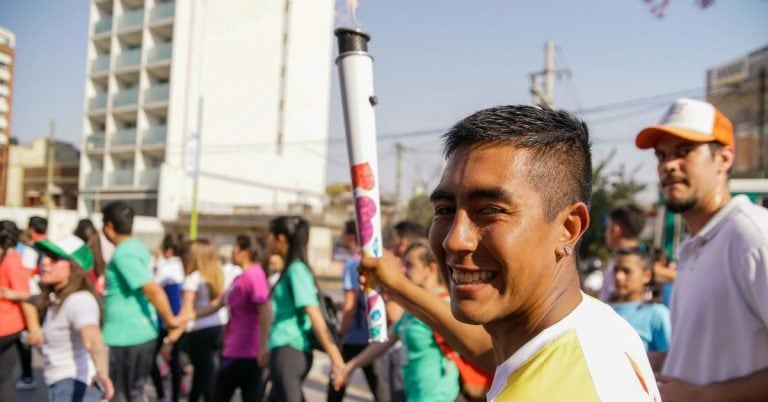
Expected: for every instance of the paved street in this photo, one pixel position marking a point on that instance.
(314, 387)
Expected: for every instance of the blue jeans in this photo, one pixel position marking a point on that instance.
(71, 390)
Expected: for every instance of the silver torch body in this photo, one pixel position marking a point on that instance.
(355, 67)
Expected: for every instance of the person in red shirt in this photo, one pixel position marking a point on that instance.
(14, 315)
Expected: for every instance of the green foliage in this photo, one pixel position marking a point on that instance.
(609, 189)
(420, 210)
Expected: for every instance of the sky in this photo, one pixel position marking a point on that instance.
(437, 61)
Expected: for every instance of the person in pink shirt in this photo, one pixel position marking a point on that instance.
(245, 353)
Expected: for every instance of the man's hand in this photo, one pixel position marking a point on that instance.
(676, 390)
(106, 385)
(387, 270)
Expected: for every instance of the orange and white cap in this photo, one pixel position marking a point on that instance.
(691, 120)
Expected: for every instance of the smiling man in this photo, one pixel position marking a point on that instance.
(510, 210)
(719, 309)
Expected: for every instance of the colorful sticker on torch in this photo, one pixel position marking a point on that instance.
(377, 320)
(366, 210)
(362, 176)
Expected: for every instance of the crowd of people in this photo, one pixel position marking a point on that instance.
(486, 304)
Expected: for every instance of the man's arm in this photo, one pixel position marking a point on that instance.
(470, 341)
(348, 310)
(157, 297)
(750, 388)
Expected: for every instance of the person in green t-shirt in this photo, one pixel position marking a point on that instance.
(296, 312)
(130, 302)
(428, 375)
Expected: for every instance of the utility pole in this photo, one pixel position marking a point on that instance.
(545, 96)
(196, 171)
(399, 149)
(50, 154)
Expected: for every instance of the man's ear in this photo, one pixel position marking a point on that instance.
(725, 156)
(574, 221)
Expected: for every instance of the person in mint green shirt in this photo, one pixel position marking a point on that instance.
(428, 375)
(296, 312)
(130, 302)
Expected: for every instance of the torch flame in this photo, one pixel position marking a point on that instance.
(349, 12)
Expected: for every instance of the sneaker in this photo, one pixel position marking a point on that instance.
(26, 383)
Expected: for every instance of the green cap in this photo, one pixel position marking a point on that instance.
(71, 248)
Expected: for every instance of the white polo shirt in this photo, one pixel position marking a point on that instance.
(720, 299)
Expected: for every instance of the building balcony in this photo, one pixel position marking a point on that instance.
(150, 178)
(126, 97)
(100, 64)
(5, 74)
(94, 179)
(128, 58)
(4, 106)
(102, 26)
(121, 177)
(95, 142)
(157, 94)
(162, 12)
(5, 90)
(3, 123)
(98, 102)
(131, 19)
(160, 53)
(154, 136)
(124, 137)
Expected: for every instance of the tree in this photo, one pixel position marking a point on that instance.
(658, 6)
(609, 189)
(420, 210)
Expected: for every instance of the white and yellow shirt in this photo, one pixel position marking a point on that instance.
(590, 355)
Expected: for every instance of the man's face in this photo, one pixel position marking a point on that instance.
(109, 231)
(688, 172)
(630, 277)
(495, 247)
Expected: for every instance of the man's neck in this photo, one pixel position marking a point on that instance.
(697, 217)
(121, 238)
(513, 332)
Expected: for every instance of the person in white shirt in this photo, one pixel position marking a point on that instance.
(719, 310)
(76, 358)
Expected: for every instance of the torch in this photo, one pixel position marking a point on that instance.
(356, 77)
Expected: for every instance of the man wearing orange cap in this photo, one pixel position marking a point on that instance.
(719, 345)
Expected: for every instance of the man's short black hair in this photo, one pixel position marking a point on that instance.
(556, 140)
(409, 230)
(630, 218)
(120, 214)
(350, 227)
(38, 224)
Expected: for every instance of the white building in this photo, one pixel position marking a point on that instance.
(7, 50)
(253, 77)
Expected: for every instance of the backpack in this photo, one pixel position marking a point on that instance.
(330, 316)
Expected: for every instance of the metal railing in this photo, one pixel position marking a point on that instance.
(103, 25)
(131, 19)
(126, 97)
(100, 64)
(98, 102)
(162, 11)
(157, 93)
(121, 177)
(150, 178)
(95, 141)
(124, 137)
(161, 52)
(128, 58)
(154, 136)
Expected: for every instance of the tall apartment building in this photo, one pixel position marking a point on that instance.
(251, 78)
(738, 89)
(7, 46)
